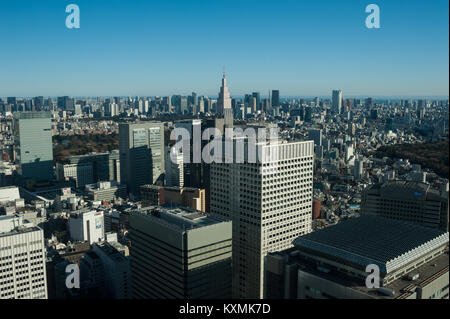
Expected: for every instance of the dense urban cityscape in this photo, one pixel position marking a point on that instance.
(224, 158)
(99, 183)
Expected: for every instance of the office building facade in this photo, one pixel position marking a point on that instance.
(335, 262)
(174, 168)
(141, 147)
(409, 201)
(33, 145)
(86, 225)
(105, 166)
(22, 260)
(275, 98)
(179, 254)
(269, 203)
(336, 101)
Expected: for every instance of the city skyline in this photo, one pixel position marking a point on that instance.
(241, 96)
(301, 48)
(221, 158)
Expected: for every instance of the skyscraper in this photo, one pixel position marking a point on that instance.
(224, 103)
(11, 100)
(275, 98)
(308, 114)
(39, 102)
(194, 98)
(183, 105)
(174, 168)
(33, 145)
(336, 101)
(316, 136)
(23, 267)
(192, 169)
(369, 102)
(257, 96)
(270, 204)
(116, 269)
(179, 254)
(141, 147)
(358, 169)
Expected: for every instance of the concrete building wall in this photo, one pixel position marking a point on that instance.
(314, 287)
(270, 204)
(171, 263)
(117, 272)
(404, 201)
(23, 265)
(88, 226)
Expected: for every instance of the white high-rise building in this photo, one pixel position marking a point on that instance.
(22, 260)
(269, 203)
(174, 167)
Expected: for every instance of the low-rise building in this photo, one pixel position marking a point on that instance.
(415, 202)
(86, 225)
(184, 196)
(332, 263)
(106, 191)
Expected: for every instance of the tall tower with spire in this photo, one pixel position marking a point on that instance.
(224, 103)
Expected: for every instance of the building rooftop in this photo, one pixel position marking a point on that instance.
(151, 186)
(9, 193)
(110, 249)
(14, 224)
(85, 210)
(180, 217)
(32, 115)
(102, 186)
(184, 188)
(425, 272)
(409, 190)
(401, 288)
(390, 244)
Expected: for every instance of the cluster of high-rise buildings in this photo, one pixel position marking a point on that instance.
(303, 218)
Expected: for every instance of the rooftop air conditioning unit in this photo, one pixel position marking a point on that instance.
(413, 276)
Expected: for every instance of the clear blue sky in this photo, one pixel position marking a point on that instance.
(302, 48)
